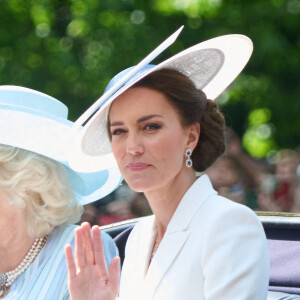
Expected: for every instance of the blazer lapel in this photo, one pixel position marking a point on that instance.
(176, 234)
(166, 254)
(144, 245)
(191, 203)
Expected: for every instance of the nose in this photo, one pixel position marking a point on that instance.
(134, 145)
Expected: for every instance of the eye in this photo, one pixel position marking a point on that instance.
(117, 131)
(151, 127)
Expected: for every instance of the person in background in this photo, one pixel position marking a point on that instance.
(40, 196)
(90, 215)
(139, 206)
(286, 175)
(281, 192)
(162, 128)
(120, 208)
(235, 179)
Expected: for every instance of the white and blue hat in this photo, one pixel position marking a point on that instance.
(211, 65)
(36, 122)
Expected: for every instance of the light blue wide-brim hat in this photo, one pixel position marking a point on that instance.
(36, 122)
(211, 65)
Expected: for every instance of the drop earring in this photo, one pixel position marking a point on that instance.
(188, 161)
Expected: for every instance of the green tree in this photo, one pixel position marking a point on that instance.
(71, 48)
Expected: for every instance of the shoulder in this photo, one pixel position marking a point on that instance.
(231, 224)
(219, 220)
(63, 229)
(233, 234)
(107, 240)
(202, 190)
(110, 247)
(223, 210)
(212, 210)
(63, 234)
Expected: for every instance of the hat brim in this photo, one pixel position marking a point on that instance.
(212, 65)
(51, 136)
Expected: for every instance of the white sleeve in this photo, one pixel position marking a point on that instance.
(236, 259)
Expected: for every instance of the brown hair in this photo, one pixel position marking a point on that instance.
(193, 106)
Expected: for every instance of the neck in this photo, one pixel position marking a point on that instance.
(14, 243)
(165, 200)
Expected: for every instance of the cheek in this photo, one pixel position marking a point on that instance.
(117, 150)
(168, 148)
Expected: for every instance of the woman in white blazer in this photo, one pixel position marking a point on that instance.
(162, 128)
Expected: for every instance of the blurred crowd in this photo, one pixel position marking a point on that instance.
(271, 184)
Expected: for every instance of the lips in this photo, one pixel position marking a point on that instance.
(137, 166)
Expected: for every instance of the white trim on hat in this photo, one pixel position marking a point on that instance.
(113, 89)
(36, 122)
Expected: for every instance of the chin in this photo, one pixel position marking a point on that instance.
(139, 186)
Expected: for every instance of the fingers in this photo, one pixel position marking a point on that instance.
(98, 250)
(70, 262)
(89, 251)
(114, 274)
(79, 248)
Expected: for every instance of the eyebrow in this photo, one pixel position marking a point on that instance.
(140, 120)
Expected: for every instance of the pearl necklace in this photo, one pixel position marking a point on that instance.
(7, 279)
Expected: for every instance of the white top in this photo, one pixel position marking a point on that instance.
(213, 249)
(47, 278)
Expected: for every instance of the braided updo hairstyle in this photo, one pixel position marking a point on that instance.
(192, 106)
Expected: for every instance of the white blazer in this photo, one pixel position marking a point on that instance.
(213, 249)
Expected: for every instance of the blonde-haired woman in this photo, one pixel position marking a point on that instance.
(40, 196)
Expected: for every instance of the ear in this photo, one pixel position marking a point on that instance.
(193, 135)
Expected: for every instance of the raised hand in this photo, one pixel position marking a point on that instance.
(89, 278)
